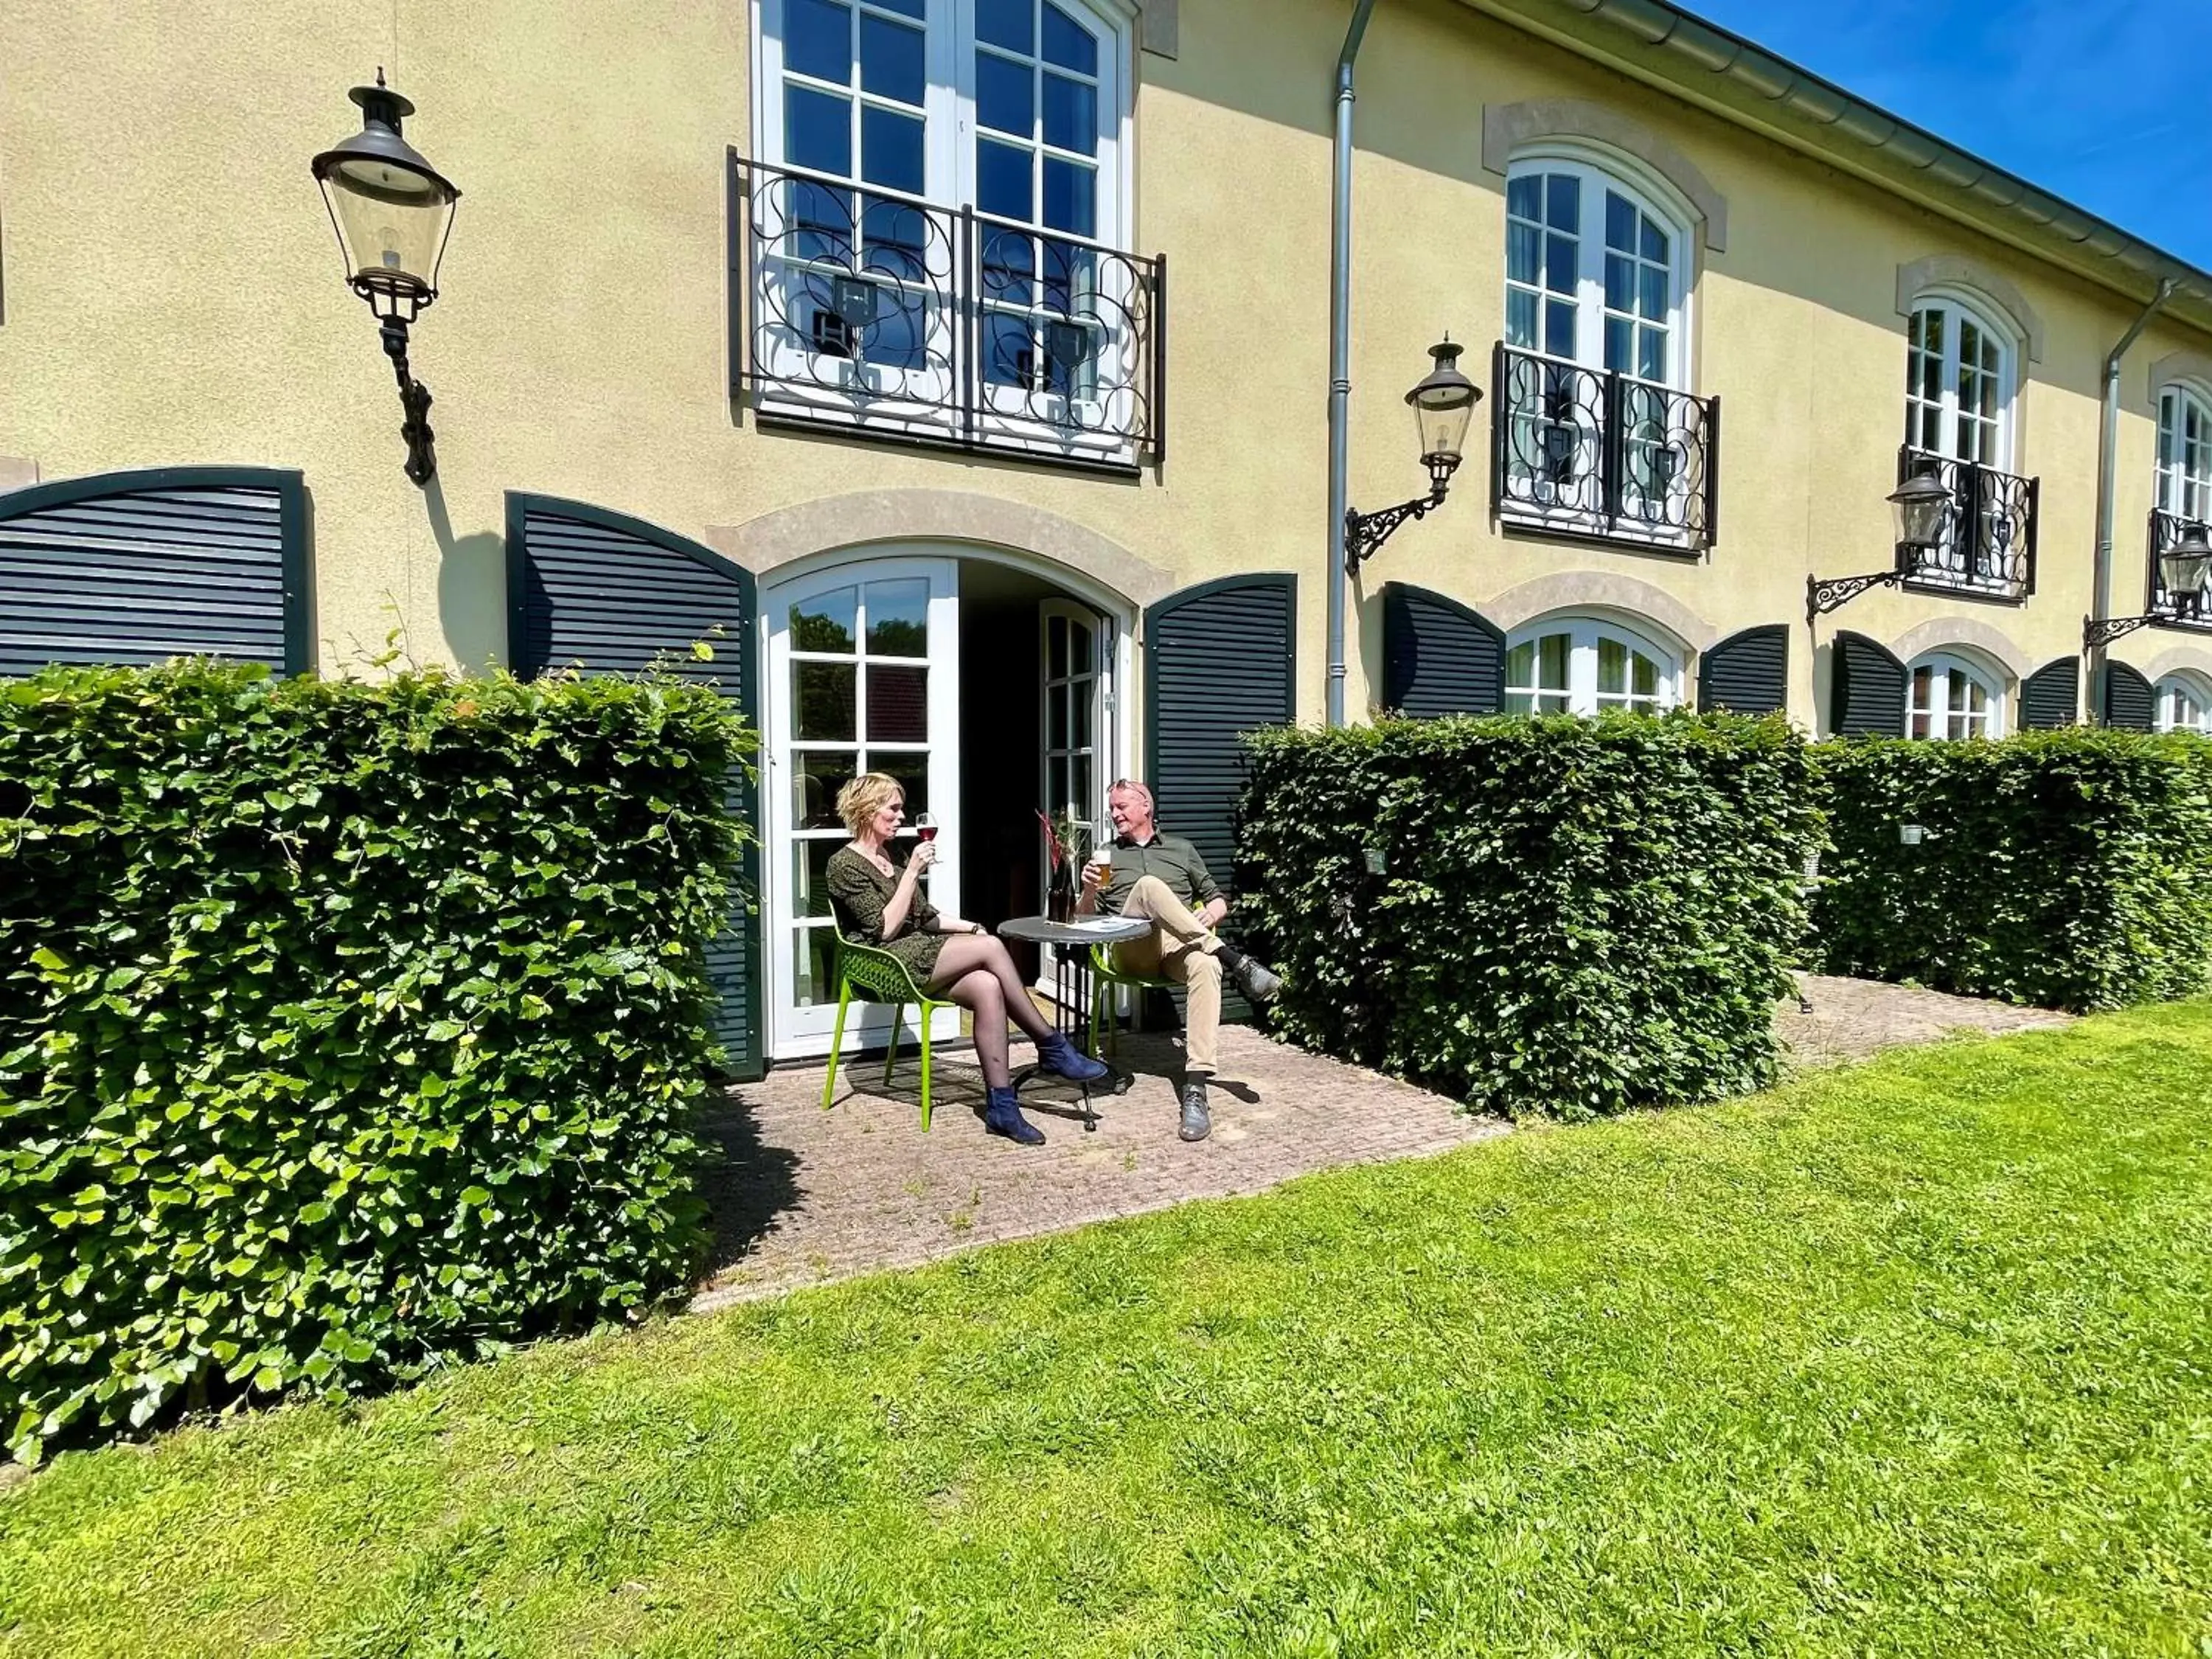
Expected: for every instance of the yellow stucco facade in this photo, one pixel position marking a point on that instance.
(170, 294)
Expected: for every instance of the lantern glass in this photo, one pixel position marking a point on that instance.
(1443, 405)
(1921, 506)
(2183, 567)
(392, 208)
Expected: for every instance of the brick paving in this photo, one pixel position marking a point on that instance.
(808, 1195)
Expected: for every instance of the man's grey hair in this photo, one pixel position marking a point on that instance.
(1144, 789)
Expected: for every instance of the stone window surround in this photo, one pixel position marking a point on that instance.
(1966, 637)
(2190, 368)
(1507, 127)
(1917, 279)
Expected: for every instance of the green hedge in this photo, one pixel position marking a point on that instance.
(1574, 917)
(344, 1028)
(2064, 869)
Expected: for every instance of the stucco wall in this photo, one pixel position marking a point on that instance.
(174, 295)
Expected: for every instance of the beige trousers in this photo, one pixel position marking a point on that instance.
(1180, 947)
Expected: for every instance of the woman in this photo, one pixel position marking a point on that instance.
(881, 902)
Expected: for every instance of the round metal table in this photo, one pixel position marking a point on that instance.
(1070, 987)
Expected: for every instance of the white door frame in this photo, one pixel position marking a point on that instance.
(875, 561)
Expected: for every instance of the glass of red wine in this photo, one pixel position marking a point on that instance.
(926, 826)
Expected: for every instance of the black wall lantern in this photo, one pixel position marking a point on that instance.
(2181, 569)
(1443, 405)
(1921, 509)
(392, 211)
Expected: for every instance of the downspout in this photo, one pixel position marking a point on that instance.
(2108, 440)
(1340, 360)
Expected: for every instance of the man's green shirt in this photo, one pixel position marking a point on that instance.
(1170, 858)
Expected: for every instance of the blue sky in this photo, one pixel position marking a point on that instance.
(2107, 103)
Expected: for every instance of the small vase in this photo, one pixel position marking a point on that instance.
(1059, 897)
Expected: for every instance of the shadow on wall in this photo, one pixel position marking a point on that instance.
(471, 587)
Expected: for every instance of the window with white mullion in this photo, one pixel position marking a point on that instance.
(1949, 699)
(2182, 706)
(1588, 667)
(2184, 454)
(1957, 386)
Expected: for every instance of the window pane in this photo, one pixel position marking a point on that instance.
(1651, 298)
(1560, 264)
(1521, 666)
(1078, 636)
(898, 618)
(816, 778)
(1651, 354)
(912, 772)
(1619, 283)
(1067, 43)
(1523, 246)
(1071, 115)
(1519, 702)
(822, 702)
(1612, 666)
(825, 622)
(1078, 794)
(1055, 718)
(890, 149)
(1008, 23)
(1003, 183)
(1619, 345)
(1619, 223)
(817, 40)
(1923, 688)
(1654, 243)
(1521, 319)
(818, 132)
(1524, 196)
(890, 59)
(1553, 649)
(1071, 195)
(1055, 648)
(1079, 734)
(911, 8)
(1559, 328)
(1005, 94)
(1009, 351)
(1647, 676)
(812, 975)
(1564, 201)
(1055, 783)
(898, 704)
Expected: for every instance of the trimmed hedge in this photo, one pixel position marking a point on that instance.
(2069, 869)
(344, 1029)
(1576, 917)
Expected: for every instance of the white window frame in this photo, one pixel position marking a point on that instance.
(2181, 489)
(1585, 632)
(1956, 307)
(868, 395)
(1944, 667)
(2168, 716)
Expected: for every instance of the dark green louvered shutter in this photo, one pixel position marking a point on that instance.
(139, 567)
(2049, 696)
(1438, 657)
(2129, 701)
(610, 594)
(1747, 673)
(1868, 690)
(1220, 660)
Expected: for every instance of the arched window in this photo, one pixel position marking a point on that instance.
(2184, 453)
(1959, 381)
(2184, 703)
(1586, 666)
(1949, 697)
(1596, 269)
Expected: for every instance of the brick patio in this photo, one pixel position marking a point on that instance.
(809, 1195)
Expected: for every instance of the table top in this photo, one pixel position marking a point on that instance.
(1086, 930)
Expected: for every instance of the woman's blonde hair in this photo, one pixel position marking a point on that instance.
(866, 796)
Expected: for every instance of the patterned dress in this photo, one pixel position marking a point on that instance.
(858, 893)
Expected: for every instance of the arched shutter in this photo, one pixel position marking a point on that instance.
(2129, 701)
(1747, 673)
(1867, 691)
(140, 566)
(2050, 696)
(609, 594)
(1439, 657)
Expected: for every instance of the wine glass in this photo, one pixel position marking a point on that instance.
(926, 826)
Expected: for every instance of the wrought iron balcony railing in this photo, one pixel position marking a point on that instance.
(2165, 529)
(1581, 451)
(1989, 536)
(888, 315)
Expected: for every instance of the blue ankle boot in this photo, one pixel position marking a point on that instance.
(1002, 1116)
(1063, 1059)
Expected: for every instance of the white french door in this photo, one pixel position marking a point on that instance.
(863, 672)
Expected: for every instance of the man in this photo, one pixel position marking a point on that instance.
(1162, 879)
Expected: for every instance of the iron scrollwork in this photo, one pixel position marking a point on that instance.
(1595, 452)
(2167, 608)
(1987, 546)
(871, 309)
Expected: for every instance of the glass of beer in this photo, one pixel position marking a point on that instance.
(1101, 849)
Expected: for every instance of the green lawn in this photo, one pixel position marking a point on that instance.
(1913, 1358)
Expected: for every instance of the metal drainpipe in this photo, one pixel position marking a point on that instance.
(2108, 440)
(1340, 360)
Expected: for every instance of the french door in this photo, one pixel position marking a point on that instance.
(863, 676)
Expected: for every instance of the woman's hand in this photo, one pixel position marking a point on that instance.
(924, 855)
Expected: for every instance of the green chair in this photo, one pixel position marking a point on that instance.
(1105, 977)
(877, 975)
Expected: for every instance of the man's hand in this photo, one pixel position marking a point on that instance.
(1216, 908)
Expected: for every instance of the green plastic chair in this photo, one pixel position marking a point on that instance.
(876, 975)
(1105, 977)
